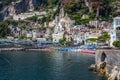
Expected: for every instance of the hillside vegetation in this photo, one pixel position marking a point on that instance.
(77, 9)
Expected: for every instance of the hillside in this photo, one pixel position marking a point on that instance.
(76, 9)
(43, 11)
(94, 8)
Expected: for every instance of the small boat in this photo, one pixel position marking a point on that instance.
(88, 51)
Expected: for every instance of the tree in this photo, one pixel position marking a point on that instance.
(92, 39)
(116, 44)
(104, 38)
(33, 18)
(52, 1)
(4, 30)
(68, 43)
(62, 42)
(65, 43)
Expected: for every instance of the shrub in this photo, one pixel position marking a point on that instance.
(116, 44)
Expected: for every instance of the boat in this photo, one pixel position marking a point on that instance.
(88, 49)
(84, 49)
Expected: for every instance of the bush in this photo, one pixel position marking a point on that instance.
(4, 30)
(92, 39)
(33, 18)
(65, 43)
(116, 44)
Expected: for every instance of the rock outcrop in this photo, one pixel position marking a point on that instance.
(18, 7)
(112, 60)
(4, 14)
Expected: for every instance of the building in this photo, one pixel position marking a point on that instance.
(57, 36)
(115, 31)
(24, 16)
(105, 26)
(94, 23)
(79, 38)
(62, 24)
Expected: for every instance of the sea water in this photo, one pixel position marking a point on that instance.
(43, 65)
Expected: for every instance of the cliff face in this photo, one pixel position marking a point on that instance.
(27, 5)
(18, 7)
(4, 14)
(111, 57)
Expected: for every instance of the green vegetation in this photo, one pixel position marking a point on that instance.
(24, 37)
(62, 42)
(65, 43)
(104, 37)
(4, 30)
(33, 18)
(116, 44)
(77, 10)
(92, 39)
(52, 1)
(103, 10)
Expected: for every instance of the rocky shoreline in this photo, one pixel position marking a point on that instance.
(107, 63)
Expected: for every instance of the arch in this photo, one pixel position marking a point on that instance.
(118, 28)
(103, 56)
(83, 42)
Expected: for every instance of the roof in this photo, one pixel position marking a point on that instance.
(117, 17)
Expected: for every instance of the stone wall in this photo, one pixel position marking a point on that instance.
(112, 58)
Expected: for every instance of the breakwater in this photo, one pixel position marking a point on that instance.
(107, 62)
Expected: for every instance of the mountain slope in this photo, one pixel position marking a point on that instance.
(76, 9)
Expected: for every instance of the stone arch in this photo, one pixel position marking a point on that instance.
(103, 56)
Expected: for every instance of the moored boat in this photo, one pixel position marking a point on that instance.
(88, 51)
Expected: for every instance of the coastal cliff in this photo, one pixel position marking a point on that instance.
(112, 59)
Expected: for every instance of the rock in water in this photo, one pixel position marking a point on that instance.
(92, 68)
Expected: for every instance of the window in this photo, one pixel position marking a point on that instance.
(118, 28)
(117, 21)
(113, 36)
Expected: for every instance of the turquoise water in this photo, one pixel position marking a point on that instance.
(46, 66)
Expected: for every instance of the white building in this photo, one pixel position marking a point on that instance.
(80, 37)
(34, 34)
(94, 23)
(115, 31)
(57, 36)
(39, 40)
(29, 34)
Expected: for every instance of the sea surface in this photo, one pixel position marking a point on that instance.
(29, 65)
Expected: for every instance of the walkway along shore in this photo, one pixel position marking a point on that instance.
(26, 49)
(11, 49)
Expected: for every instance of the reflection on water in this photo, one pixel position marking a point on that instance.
(46, 66)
